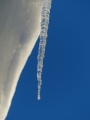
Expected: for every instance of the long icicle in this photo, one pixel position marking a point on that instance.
(46, 5)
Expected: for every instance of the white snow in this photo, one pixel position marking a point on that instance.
(19, 31)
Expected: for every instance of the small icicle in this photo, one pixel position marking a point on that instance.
(46, 5)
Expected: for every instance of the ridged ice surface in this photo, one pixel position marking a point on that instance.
(46, 5)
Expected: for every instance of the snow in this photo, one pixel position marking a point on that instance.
(19, 31)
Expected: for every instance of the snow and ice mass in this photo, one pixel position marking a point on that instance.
(21, 23)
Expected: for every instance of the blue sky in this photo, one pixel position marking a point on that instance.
(65, 93)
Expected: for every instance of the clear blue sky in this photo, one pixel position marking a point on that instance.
(65, 91)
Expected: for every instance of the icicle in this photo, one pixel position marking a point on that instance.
(46, 5)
